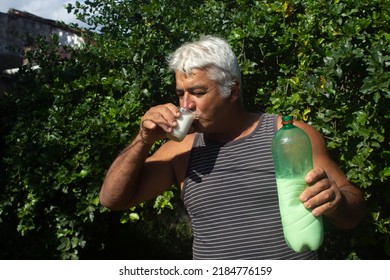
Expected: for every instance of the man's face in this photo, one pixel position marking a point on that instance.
(201, 95)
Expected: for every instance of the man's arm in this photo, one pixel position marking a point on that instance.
(123, 175)
(122, 178)
(134, 177)
(330, 193)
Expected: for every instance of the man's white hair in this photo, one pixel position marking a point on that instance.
(212, 54)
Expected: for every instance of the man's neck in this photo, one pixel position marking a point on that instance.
(237, 127)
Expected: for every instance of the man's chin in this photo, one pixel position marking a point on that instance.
(191, 130)
(195, 127)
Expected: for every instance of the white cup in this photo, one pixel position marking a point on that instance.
(183, 125)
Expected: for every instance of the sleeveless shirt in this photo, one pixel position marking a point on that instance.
(231, 198)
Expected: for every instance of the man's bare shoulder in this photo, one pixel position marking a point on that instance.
(176, 155)
(172, 150)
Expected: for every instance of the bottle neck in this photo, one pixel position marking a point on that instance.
(287, 124)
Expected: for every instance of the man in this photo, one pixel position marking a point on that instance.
(224, 169)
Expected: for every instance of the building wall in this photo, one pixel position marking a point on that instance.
(17, 32)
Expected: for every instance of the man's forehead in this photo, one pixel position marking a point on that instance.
(193, 72)
(197, 81)
(199, 78)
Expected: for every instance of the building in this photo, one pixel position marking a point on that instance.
(17, 32)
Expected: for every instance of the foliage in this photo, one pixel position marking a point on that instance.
(325, 61)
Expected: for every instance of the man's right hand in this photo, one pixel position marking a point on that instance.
(157, 122)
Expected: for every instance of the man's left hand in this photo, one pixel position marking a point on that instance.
(323, 195)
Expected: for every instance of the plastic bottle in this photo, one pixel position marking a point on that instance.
(292, 156)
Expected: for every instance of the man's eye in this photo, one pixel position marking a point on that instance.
(199, 93)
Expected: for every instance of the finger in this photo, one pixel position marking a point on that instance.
(315, 175)
(327, 206)
(174, 109)
(170, 112)
(158, 118)
(148, 124)
(319, 198)
(326, 202)
(316, 187)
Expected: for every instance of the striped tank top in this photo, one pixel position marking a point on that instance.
(230, 195)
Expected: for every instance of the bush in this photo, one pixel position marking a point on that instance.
(326, 62)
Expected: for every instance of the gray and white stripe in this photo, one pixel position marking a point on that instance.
(231, 197)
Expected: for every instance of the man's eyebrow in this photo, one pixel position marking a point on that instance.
(192, 89)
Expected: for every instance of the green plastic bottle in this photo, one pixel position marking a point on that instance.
(292, 156)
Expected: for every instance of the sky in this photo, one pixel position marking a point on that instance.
(49, 9)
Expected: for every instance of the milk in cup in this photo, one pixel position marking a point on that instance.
(183, 125)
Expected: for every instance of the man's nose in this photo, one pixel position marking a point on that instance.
(187, 101)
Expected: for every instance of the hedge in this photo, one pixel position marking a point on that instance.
(326, 62)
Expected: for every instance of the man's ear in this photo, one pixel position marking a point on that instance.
(235, 91)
